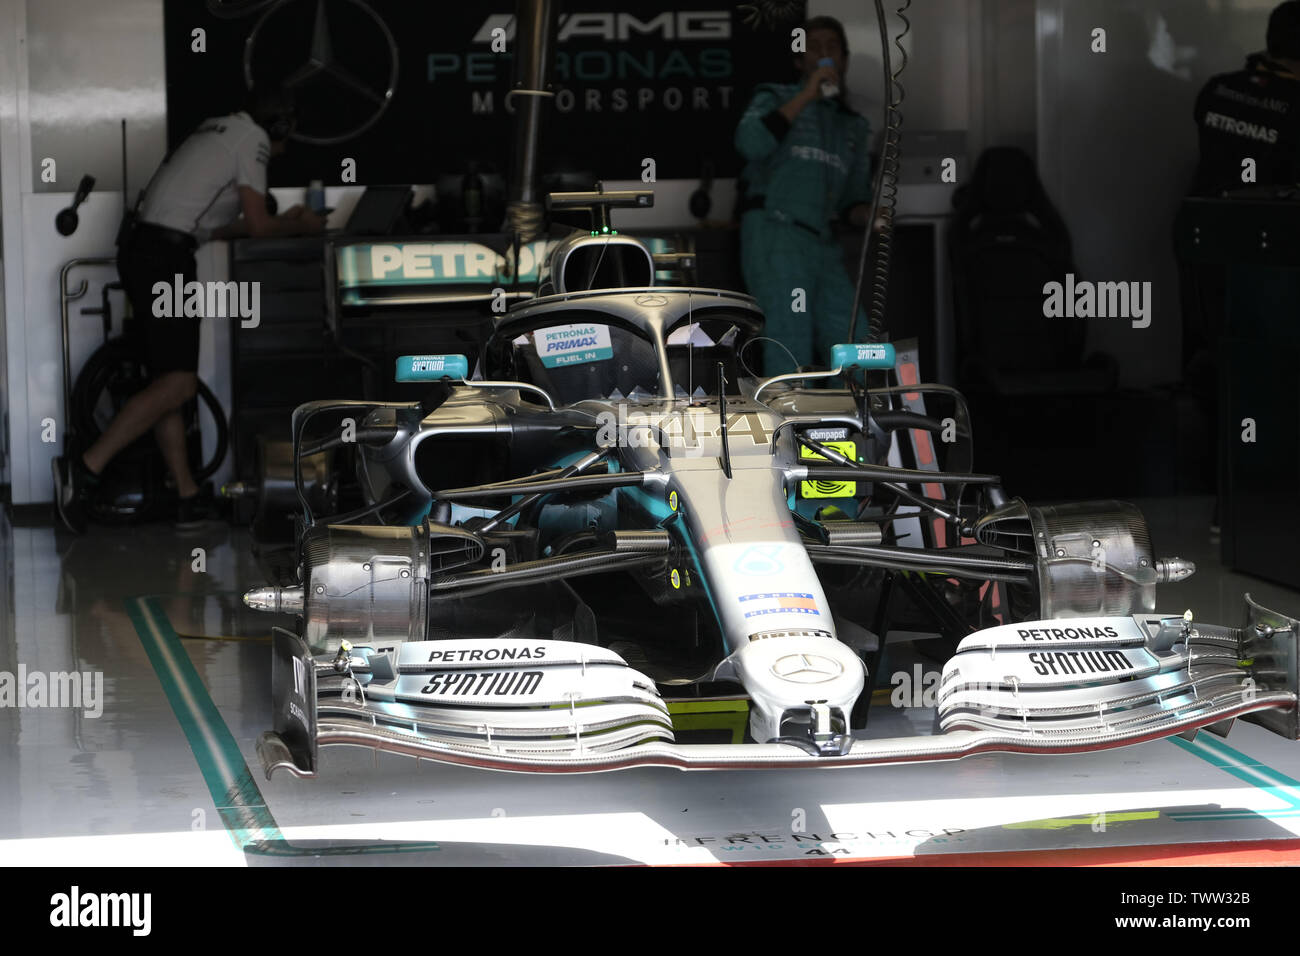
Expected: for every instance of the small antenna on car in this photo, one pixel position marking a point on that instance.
(722, 414)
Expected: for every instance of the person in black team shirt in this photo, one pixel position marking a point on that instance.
(1254, 113)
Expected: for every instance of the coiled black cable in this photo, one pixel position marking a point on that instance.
(115, 372)
(884, 195)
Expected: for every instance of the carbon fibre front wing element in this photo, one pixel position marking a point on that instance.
(1043, 687)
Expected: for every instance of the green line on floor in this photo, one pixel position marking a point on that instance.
(234, 791)
(1245, 768)
(238, 799)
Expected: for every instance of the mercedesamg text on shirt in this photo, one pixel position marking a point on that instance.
(1251, 114)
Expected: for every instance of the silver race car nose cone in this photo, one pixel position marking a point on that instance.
(782, 673)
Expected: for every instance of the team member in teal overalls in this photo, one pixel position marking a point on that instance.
(807, 163)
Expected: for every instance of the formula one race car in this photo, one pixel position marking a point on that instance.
(610, 544)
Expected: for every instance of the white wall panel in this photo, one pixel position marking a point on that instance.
(91, 65)
(69, 71)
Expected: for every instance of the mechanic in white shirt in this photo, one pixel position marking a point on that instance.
(197, 194)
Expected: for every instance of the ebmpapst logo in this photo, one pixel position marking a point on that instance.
(77, 909)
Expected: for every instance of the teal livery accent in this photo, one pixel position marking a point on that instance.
(431, 368)
(458, 261)
(573, 344)
(449, 262)
(877, 355)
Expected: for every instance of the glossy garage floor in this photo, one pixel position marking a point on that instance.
(167, 772)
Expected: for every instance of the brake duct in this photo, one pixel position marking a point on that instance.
(377, 583)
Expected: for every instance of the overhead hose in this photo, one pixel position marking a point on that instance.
(526, 220)
(884, 194)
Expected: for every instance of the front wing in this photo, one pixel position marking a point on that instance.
(1136, 679)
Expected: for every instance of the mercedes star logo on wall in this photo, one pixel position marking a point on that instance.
(337, 57)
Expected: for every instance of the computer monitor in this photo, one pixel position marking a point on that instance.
(378, 211)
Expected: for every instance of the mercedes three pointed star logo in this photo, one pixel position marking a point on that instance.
(807, 668)
(324, 68)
